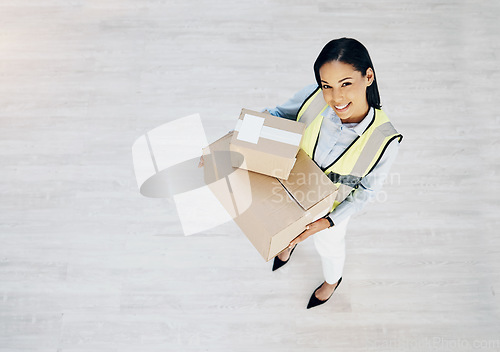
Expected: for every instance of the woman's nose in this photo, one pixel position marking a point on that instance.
(337, 96)
(333, 96)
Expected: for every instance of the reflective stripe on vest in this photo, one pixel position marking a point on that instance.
(359, 159)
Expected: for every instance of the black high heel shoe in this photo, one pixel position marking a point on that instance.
(278, 263)
(314, 301)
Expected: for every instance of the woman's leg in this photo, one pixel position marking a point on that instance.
(330, 244)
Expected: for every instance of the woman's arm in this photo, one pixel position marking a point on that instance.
(370, 185)
(289, 109)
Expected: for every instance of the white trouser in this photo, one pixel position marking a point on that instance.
(330, 244)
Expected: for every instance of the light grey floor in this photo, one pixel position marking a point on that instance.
(88, 264)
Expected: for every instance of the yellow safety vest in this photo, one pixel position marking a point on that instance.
(359, 159)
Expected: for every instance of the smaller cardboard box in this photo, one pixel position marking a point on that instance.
(270, 212)
(265, 143)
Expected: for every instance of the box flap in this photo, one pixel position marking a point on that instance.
(307, 183)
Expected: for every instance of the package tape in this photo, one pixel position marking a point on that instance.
(267, 132)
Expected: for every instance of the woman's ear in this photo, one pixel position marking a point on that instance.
(370, 76)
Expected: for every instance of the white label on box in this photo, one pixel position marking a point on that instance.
(282, 136)
(250, 128)
(267, 132)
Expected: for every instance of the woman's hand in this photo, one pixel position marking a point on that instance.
(202, 162)
(311, 229)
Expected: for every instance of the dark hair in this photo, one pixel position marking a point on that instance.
(352, 52)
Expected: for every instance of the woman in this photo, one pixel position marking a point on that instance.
(350, 138)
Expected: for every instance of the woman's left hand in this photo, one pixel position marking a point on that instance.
(311, 229)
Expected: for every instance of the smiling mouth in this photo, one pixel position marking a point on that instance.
(342, 107)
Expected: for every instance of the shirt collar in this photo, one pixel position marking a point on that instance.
(360, 127)
(363, 124)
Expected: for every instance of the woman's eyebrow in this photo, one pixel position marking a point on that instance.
(343, 79)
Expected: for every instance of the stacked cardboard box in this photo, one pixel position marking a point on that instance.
(270, 211)
(265, 143)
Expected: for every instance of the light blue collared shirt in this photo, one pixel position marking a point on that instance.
(334, 138)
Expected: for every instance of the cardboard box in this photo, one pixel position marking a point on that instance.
(265, 143)
(270, 212)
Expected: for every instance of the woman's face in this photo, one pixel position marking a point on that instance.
(344, 90)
